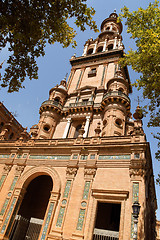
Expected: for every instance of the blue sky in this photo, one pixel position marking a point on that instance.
(54, 66)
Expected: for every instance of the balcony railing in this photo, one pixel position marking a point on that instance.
(115, 94)
(81, 104)
(53, 103)
(100, 234)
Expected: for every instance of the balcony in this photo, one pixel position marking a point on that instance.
(81, 104)
(116, 94)
(101, 234)
(52, 103)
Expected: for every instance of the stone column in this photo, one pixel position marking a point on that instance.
(115, 43)
(86, 126)
(119, 43)
(85, 50)
(95, 47)
(67, 128)
(104, 46)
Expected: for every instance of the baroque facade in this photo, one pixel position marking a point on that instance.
(86, 161)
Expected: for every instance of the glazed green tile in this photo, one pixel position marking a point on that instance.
(86, 189)
(45, 228)
(81, 219)
(67, 189)
(60, 217)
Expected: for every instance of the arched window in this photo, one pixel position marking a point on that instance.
(77, 130)
(100, 49)
(121, 90)
(110, 47)
(90, 51)
(57, 99)
(107, 29)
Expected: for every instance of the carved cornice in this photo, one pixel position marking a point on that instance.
(138, 168)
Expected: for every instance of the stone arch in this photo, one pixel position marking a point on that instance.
(34, 172)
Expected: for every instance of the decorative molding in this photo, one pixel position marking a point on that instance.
(110, 157)
(90, 171)
(71, 171)
(110, 194)
(19, 169)
(137, 168)
(7, 168)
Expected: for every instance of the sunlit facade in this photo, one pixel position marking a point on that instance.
(84, 164)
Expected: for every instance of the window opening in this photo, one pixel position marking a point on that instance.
(92, 72)
(110, 47)
(100, 49)
(76, 134)
(46, 128)
(107, 221)
(90, 51)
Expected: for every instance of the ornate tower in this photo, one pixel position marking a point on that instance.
(87, 161)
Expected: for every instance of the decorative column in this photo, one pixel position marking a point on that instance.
(119, 43)
(95, 47)
(115, 43)
(85, 50)
(67, 128)
(104, 46)
(86, 126)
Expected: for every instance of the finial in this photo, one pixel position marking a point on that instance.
(65, 76)
(138, 100)
(115, 10)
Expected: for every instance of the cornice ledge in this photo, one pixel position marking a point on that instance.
(110, 194)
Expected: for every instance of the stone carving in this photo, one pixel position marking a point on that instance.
(71, 171)
(7, 168)
(90, 171)
(19, 170)
(137, 168)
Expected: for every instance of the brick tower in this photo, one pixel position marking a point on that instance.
(86, 161)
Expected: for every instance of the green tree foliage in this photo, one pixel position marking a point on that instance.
(27, 25)
(144, 27)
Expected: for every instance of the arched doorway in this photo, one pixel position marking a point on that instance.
(31, 213)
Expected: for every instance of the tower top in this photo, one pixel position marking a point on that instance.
(112, 18)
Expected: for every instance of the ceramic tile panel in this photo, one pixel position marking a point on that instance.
(8, 215)
(81, 219)
(45, 228)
